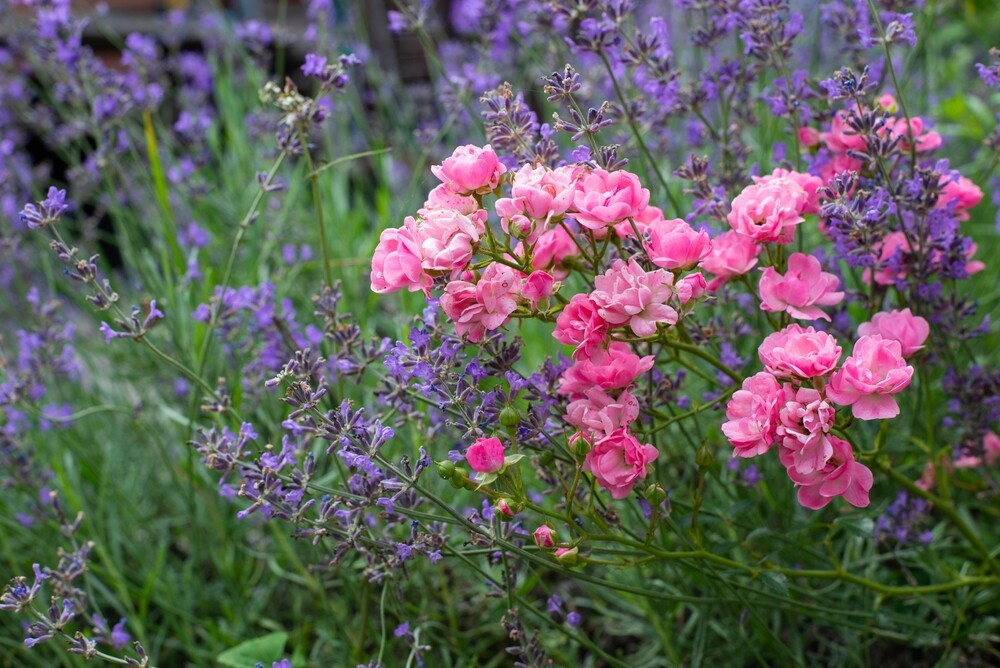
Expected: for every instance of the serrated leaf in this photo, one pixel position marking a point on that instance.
(266, 649)
(776, 582)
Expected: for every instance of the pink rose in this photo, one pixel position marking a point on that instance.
(600, 413)
(732, 254)
(923, 140)
(869, 377)
(485, 455)
(537, 195)
(808, 137)
(552, 251)
(603, 199)
(841, 137)
(809, 183)
(618, 461)
(801, 291)
(545, 537)
(537, 286)
(447, 237)
(643, 219)
(753, 415)
(909, 330)
(963, 193)
(471, 169)
(396, 262)
(627, 294)
(483, 306)
(798, 353)
(887, 102)
(838, 163)
(885, 273)
(442, 197)
(579, 324)
(805, 419)
(692, 286)
(675, 245)
(842, 476)
(612, 369)
(991, 448)
(768, 212)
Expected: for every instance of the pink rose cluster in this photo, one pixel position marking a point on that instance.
(841, 138)
(765, 212)
(793, 402)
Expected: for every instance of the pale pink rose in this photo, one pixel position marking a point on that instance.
(553, 251)
(471, 169)
(618, 461)
(545, 537)
(732, 254)
(515, 223)
(612, 369)
(923, 140)
(804, 419)
(909, 330)
(752, 414)
(963, 193)
(869, 377)
(485, 455)
(801, 291)
(842, 476)
(808, 137)
(443, 197)
(798, 353)
(579, 324)
(675, 245)
(396, 262)
(447, 238)
(642, 220)
(692, 286)
(628, 294)
(537, 195)
(805, 412)
(991, 448)
(809, 183)
(841, 137)
(604, 199)
(768, 212)
(483, 306)
(537, 286)
(600, 413)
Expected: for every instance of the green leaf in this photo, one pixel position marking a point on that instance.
(265, 649)
(485, 479)
(776, 582)
(510, 460)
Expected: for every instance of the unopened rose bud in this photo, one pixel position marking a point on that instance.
(510, 416)
(568, 556)
(655, 495)
(459, 477)
(508, 508)
(545, 537)
(704, 457)
(446, 468)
